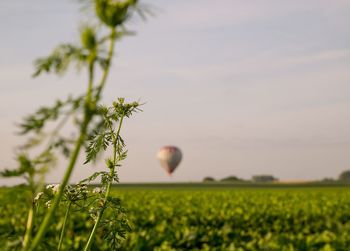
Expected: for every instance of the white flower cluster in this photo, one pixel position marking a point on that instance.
(98, 190)
(48, 204)
(93, 213)
(76, 192)
(38, 196)
(82, 187)
(53, 187)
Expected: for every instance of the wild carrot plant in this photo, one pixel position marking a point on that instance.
(94, 123)
(108, 135)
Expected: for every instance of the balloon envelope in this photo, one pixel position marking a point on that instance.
(169, 158)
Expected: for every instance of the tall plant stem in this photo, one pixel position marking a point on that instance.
(57, 199)
(64, 227)
(111, 175)
(29, 227)
(109, 60)
(87, 118)
(90, 86)
(45, 223)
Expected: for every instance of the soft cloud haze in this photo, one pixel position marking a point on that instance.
(242, 87)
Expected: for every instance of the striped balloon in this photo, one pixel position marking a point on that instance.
(169, 157)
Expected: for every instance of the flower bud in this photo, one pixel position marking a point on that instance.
(88, 38)
(112, 12)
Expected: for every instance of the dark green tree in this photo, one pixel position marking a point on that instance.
(264, 178)
(344, 176)
(231, 178)
(208, 179)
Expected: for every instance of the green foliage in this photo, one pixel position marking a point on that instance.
(208, 179)
(105, 135)
(344, 176)
(32, 170)
(249, 220)
(109, 135)
(36, 122)
(264, 178)
(33, 167)
(90, 50)
(231, 179)
(25, 167)
(98, 142)
(59, 60)
(300, 219)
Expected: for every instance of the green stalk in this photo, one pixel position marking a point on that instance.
(109, 60)
(45, 223)
(87, 118)
(111, 175)
(31, 214)
(90, 86)
(64, 227)
(29, 227)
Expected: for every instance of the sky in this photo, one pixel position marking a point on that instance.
(242, 87)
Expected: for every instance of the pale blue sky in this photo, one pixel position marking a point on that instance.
(242, 87)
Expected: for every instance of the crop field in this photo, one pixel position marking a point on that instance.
(204, 218)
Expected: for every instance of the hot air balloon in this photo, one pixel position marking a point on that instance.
(169, 157)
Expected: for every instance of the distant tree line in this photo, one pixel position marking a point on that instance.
(344, 177)
(232, 178)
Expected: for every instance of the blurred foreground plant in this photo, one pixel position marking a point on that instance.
(94, 122)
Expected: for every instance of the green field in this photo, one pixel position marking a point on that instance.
(207, 217)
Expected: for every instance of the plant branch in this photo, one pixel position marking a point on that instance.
(111, 175)
(64, 227)
(100, 87)
(29, 227)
